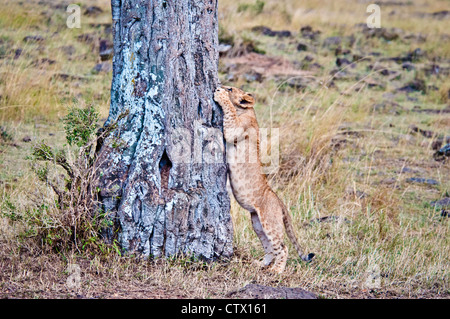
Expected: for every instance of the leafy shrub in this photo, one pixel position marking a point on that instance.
(80, 124)
(79, 221)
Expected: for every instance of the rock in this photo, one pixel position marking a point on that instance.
(388, 181)
(360, 58)
(439, 142)
(283, 34)
(105, 27)
(340, 51)
(298, 83)
(417, 37)
(68, 77)
(408, 66)
(17, 53)
(306, 64)
(443, 153)
(308, 59)
(106, 50)
(432, 69)
(445, 110)
(383, 70)
(408, 170)
(412, 56)
(271, 33)
(104, 67)
(302, 47)
(43, 61)
(421, 180)
(93, 11)
(416, 54)
(262, 29)
(440, 14)
(425, 133)
(255, 291)
(26, 139)
(442, 203)
(387, 34)
(332, 41)
(308, 33)
(416, 85)
(223, 48)
(33, 38)
(341, 62)
(306, 29)
(342, 74)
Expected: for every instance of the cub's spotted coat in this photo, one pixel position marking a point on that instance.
(249, 184)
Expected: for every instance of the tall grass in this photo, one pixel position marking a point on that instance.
(336, 154)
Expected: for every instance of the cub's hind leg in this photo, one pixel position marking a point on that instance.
(272, 223)
(257, 227)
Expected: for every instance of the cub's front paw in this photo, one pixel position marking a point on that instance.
(220, 95)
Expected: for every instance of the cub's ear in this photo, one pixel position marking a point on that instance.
(247, 100)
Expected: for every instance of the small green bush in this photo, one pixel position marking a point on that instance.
(256, 8)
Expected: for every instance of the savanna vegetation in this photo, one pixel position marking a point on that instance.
(363, 117)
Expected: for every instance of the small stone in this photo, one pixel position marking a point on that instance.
(341, 62)
(33, 38)
(223, 48)
(93, 11)
(271, 33)
(440, 14)
(302, 47)
(102, 67)
(332, 41)
(106, 50)
(308, 33)
(17, 53)
(420, 180)
(443, 153)
(416, 85)
(442, 203)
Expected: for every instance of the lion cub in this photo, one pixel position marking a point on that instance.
(249, 184)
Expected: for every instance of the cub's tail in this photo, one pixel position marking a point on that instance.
(291, 234)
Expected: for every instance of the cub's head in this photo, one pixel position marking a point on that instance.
(239, 98)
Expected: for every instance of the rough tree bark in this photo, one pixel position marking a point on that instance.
(162, 173)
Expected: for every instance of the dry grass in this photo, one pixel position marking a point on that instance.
(338, 157)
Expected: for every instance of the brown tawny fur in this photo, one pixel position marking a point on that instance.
(248, 183)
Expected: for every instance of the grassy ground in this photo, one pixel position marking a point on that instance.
(346, 149)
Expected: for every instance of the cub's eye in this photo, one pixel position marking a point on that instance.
(230, 89)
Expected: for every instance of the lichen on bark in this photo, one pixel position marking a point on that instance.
(166, 199)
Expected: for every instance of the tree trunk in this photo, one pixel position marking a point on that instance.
(162, 173)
